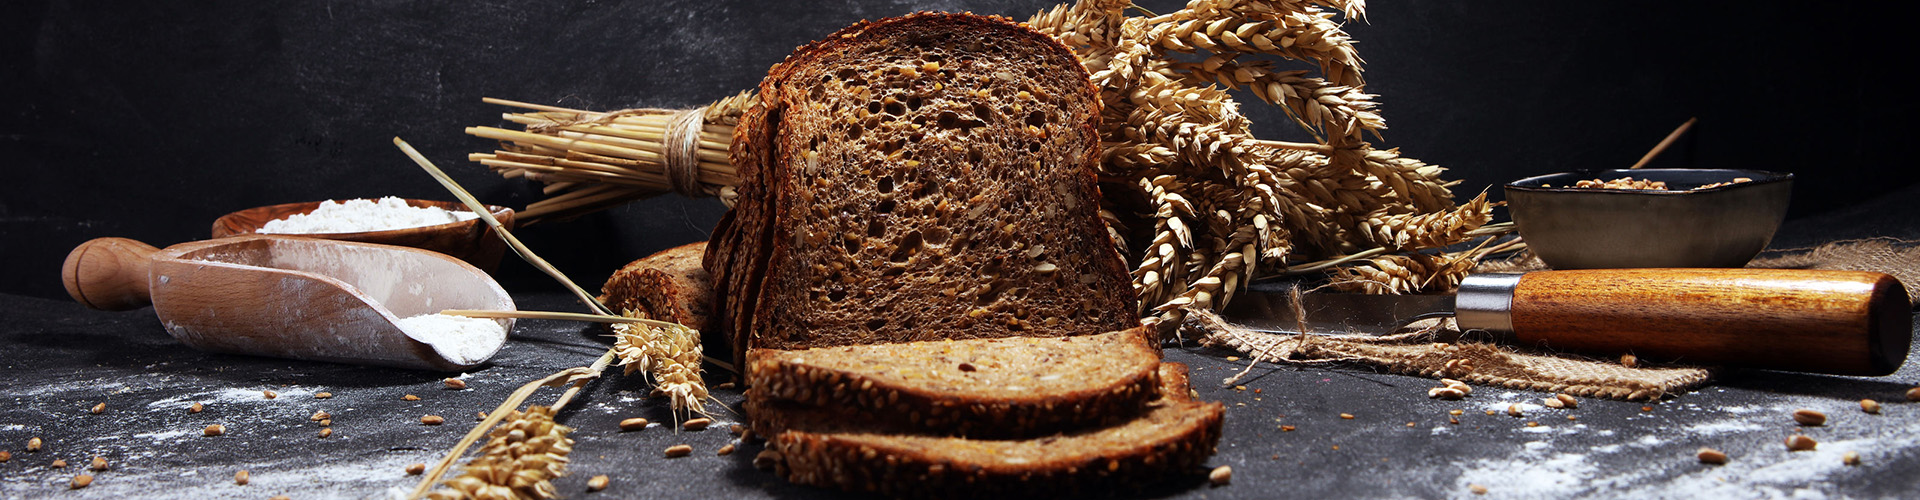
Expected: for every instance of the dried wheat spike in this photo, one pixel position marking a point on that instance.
(1401, 274)
(522, 456)
(669, 355)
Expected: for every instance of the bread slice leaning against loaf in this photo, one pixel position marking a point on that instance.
(1004, 387)
(1173, 437)
(923, 177)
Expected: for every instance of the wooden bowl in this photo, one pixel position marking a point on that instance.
(469, 240)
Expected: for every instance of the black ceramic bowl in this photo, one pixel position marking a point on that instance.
(1683, 226)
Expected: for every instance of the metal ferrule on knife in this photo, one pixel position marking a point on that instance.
(1485, 302)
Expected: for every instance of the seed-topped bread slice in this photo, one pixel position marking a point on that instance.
(1173, 437)
(922, 177)
(1003, 387)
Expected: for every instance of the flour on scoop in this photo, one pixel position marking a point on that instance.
(460, 339)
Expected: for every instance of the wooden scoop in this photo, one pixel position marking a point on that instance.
(294, 297)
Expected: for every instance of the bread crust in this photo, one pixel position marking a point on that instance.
(984, 388)
(768, 252)
(1172, 439)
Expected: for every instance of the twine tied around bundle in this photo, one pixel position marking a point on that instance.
(680, 154)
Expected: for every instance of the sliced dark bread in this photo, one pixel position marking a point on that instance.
(669, 286)
(1171, 438)
(1002, 387)
(922, 177)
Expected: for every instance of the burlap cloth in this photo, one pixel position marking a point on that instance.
(1414, 351)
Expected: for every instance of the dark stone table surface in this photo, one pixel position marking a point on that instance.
(58, 359)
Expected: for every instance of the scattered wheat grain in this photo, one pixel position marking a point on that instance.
(1477, 489)
(1711, 456)
(98, 409)
(679, 450)
(81, 481)
(633, 424)
(98, 464)
(326, 432)
(215, 430)
(1629, 361)
(1810, 418)
(33, 444)
(241, 478)
(58, 464)
(322, 395)
(725, 450)
(597, 483)
(320, 415)
(432, 420)
(1800, 442)
(269, 394)
(410, 397)
(415, 469)
(1221, 475)
(697, 424)
(454, 383)
(1870, 406)
(196, 408)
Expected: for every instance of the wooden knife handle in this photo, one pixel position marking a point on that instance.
(1840, 322)
(109, 274)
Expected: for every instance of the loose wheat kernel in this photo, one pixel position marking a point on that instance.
(196, 408)
(33, 444)
(98, 464)
(1809, 417)
(410, 397)
(633, 424)
(1850, 458)
(1514, 410)
(322, 395)
(416, 468)
(679, 450)
(1477, 489)
(5, 456)
(269, 394)
(326, 422)
(1567, 400)
(1533, 424)
(1553, 403)
(81, 481)
(1711, 456)
(432, 420)
(1629, 361)
(1800, 442)
(326, 432)
(241, 478)
(597, 483)
(1870, 406)
(98, 409)
(1913, 394)
(1221, 475)
(320, 415)
(1455, 412)
(215, 430)
(724, 450)
(454, 383)
(280, 497)
(1347, 416)
(697, 424)
(58, 464)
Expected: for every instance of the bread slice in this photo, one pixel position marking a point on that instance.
(1005, 387)
(669, 285)
(1172, 438)
(922, 177)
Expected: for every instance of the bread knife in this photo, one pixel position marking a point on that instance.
(1836, 322)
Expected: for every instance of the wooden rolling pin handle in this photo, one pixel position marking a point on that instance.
(109, 274)
(1839, 322)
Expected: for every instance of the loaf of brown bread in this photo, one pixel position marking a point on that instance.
(669, 286)
(826, 447)
(1002, 387)
(923, 177)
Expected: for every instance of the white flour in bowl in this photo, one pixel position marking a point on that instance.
(353, 216)
(460, 339)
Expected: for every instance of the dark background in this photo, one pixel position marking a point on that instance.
(150, 119)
